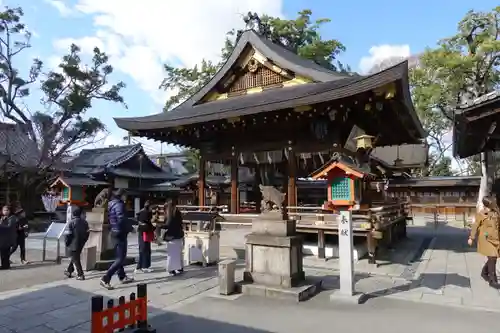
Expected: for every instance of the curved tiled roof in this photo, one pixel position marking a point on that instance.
(92, 161)
(17, 147)
(277, 54)
(271, 100)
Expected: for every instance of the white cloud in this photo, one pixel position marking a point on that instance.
(141, 36)
(149, 146)
(61, 7)
(379, 53)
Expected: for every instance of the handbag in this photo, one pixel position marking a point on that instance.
(148, 236)
(68, 239)
(167, 238)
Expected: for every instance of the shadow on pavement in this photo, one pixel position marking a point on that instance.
(432, 281)
(67, 309)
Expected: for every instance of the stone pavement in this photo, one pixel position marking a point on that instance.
(189, 304)
(36, 272)
(433, 266)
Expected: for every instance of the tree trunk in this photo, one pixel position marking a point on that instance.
(487, 174)
(30, 191)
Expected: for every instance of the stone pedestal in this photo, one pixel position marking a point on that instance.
(100, 238)
(273, 265)
(201, 247)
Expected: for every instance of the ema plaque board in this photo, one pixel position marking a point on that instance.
(55, 230)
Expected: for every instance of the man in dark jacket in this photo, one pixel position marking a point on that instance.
(78, 234)
(120, 227)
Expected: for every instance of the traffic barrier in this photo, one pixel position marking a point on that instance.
(132, 315)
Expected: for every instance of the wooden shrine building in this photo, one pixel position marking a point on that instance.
(271, 110)
(476, 126)
(92, 170)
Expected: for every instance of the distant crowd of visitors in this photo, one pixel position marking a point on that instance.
(121, 226)
(14, 230)
(13, 233)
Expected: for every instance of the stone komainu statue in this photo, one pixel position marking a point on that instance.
(271, 197)
(101, 199)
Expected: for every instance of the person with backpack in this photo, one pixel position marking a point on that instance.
(120, 226)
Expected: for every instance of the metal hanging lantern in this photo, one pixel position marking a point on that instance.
(364, 142)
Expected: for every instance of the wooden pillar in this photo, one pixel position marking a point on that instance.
(292, 174)
(235, 204)
(256, 189)
(285, 190)
(201, 181)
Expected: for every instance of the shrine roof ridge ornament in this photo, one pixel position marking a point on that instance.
(277, 53)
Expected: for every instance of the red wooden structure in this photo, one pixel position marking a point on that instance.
(132, 314)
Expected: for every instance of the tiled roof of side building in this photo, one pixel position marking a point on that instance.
(490, 97)
(17, 146)
(97, 160)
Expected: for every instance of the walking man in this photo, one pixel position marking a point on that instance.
(121, 226)
(75, 241)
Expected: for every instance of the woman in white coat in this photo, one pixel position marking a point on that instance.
(174, 236)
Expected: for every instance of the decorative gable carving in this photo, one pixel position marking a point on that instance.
(252, 73)
(256, 76)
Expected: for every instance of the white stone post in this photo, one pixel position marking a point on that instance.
(346, 259)
(137, 206)
(69, 212)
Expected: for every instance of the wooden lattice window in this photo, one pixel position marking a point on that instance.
(262, 77)
(65, 193)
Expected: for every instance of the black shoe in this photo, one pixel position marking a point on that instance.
(68, 274)
(126, 280)
(81, 278)
(494, 285)
(179, 271)
(172, 273)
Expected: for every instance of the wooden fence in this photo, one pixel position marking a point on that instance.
(131, 314)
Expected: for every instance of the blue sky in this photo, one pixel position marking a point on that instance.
(140, 36)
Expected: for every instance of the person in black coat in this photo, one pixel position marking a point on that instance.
(174, 236)
(8, 224)
(22, 234)
(145, 237)
(78, 234)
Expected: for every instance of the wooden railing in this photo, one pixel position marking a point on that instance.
(439, 213)
(444, 209)
(363, 219)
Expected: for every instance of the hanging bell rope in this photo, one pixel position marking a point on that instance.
(256, 158)
(321, 158)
